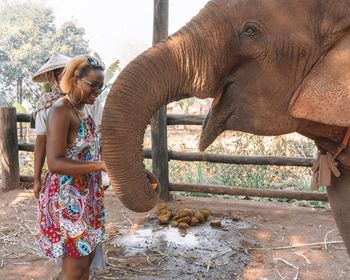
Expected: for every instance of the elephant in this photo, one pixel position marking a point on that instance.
(272, 67)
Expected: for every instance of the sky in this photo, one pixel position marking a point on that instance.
(121, 29)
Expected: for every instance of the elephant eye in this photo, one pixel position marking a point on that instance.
(249, 31)
(252, 39)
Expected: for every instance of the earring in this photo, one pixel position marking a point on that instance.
(82, 94)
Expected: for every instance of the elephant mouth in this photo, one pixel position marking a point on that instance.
(214, 123)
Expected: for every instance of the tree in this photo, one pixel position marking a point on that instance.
(69, 39)
(27, 36)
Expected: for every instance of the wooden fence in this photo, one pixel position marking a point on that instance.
(9, 148)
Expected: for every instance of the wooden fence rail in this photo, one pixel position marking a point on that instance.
(216, 158)
(222, 190)
(23, 117)
(173, 119)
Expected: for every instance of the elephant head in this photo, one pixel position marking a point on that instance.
(272, 67)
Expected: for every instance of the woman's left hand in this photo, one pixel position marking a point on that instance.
(37, 187)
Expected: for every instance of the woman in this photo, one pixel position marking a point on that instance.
(50, 73)
(71, 210)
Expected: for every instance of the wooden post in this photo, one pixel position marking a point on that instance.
(159, 120)
(20, 100)
(9, 149)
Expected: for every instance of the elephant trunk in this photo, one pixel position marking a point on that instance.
(178, 68)
(133, 99)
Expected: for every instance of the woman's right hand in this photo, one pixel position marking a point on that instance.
(103, 166)
(37, 187)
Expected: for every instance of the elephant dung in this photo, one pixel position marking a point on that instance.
(181, 216)
(186, 220)
(163, 219)
(215, 223)
(184, 212)
(235, 217)
(194, 221)
(174, 223)
(183, 226)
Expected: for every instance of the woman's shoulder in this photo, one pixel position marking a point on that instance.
(62, 103)
(61, 106)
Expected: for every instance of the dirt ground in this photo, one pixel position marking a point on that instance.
(247, 249)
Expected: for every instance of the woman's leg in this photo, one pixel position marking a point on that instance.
(86, 272)
(74, 268)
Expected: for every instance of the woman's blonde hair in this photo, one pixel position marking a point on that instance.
(78, 67)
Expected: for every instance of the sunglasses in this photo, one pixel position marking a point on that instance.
(95, 63)
(95, 86)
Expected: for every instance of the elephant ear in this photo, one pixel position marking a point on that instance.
(324, 95)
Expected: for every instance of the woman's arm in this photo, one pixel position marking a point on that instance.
(58, 126)
(39, 159)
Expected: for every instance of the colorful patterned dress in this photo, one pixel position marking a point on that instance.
(71, 208)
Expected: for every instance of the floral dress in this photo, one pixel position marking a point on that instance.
(71, 208)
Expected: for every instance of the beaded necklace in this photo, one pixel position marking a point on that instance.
(79, 112)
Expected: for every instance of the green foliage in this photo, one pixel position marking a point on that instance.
(27, 37)
(246, 176)
(45, 87)
(19, 108)
(252, 176)
(112, 71)
(185, 104)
